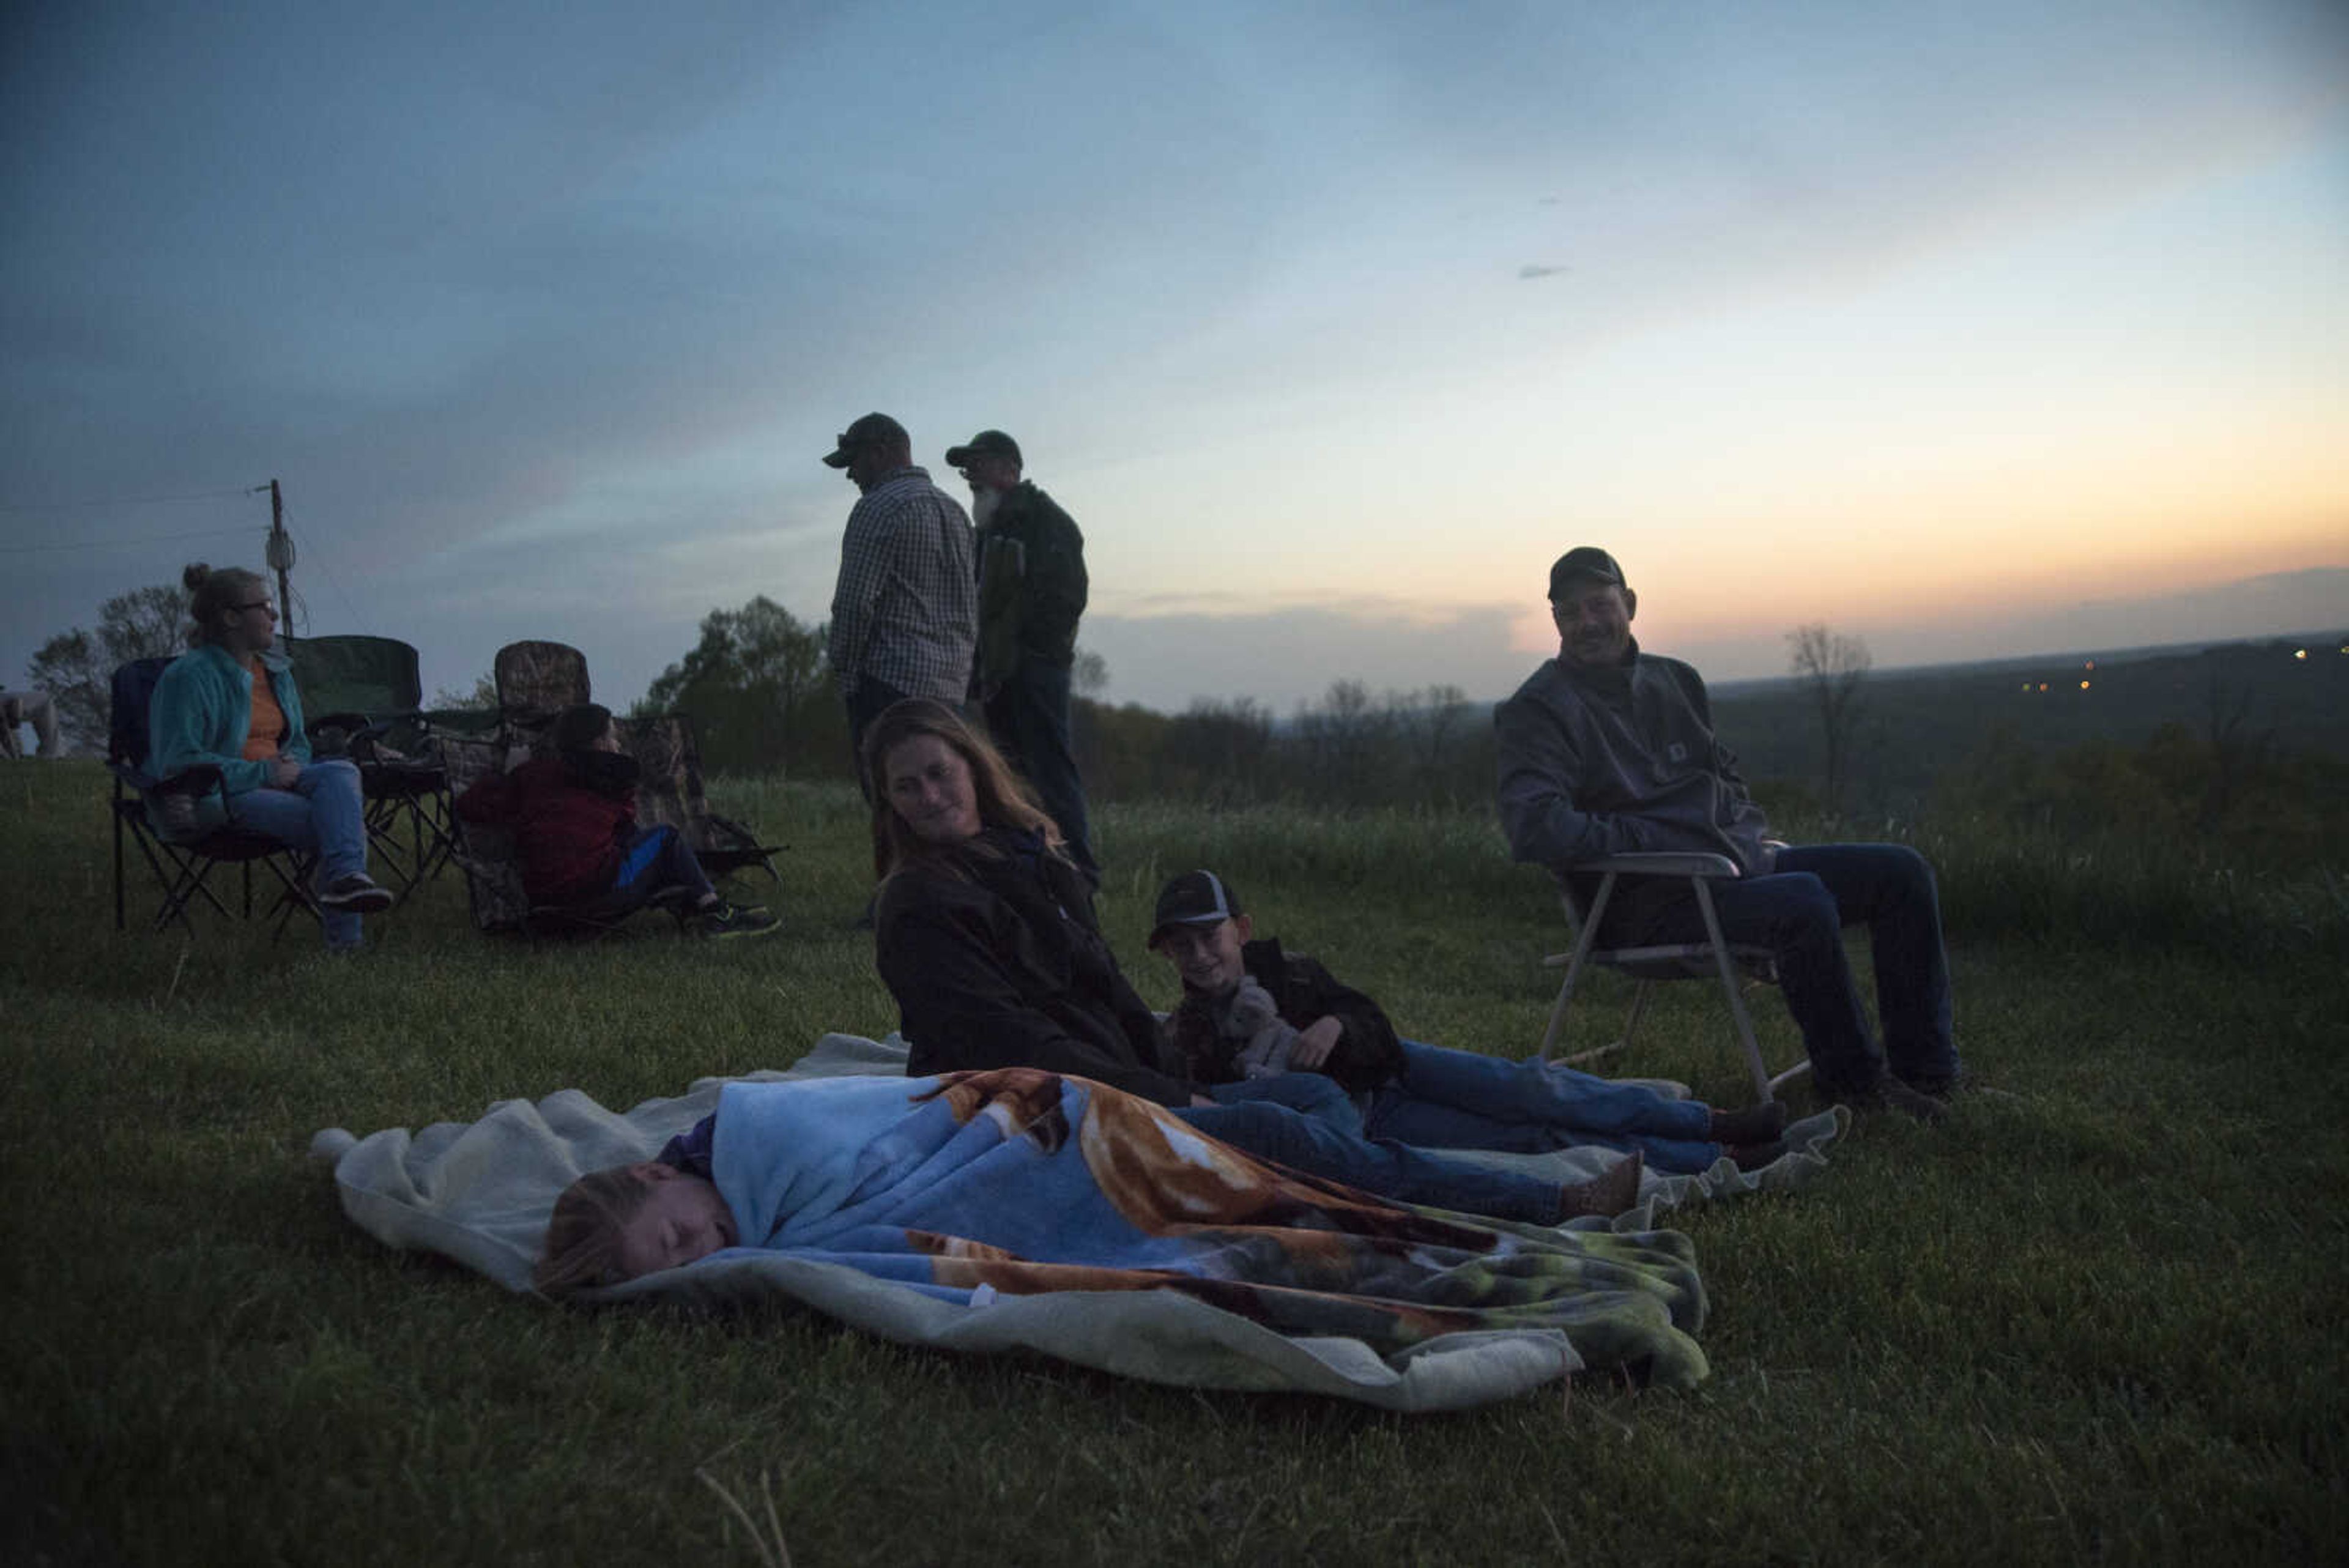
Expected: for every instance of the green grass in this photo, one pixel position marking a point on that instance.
(2097, 1316)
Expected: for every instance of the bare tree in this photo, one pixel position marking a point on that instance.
(1830, 668)
(75, 668)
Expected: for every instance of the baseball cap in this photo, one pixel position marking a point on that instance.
(1584, 561)
(988, 444)
(863, 432)
(1194, 899)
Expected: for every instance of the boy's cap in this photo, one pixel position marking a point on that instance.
(992, 443)
(871, 428)
(1584, 561)
(1194, 899)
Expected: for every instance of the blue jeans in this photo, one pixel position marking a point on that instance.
(657, 857)
(323, 815)
(1457, 1099)
(1029, 717)
(1257, 1120)
(867, 699)
(1798, 912)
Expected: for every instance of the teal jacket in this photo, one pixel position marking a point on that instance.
(199, 715)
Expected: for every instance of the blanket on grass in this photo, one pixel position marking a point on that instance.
(1346, 1296)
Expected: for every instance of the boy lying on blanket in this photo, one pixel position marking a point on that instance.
(1250, 1010)
(1021, 1181)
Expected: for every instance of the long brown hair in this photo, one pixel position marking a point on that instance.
(210, 592)
(1002, 796)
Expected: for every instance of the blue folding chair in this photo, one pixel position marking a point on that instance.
(182, 863)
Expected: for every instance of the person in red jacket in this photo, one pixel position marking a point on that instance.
(574, 819)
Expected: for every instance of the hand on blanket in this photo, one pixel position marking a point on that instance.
(1315, 1042)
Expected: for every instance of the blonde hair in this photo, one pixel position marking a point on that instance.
(583, 1239)
(1001, 796)
(211, 592)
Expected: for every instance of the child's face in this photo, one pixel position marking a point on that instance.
(1207, 957)
(682, 1219)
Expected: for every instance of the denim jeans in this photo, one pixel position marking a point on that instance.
(323, 815)
(1457, 1099)
(655, 857)
(1798, 912)
(1029, 717)
(867, 699)
(1256, 1121)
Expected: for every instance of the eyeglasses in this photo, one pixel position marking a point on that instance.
(258, 605)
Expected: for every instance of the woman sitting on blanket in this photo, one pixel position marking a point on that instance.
(984, 933)
(228, 705)
(1022, 1182)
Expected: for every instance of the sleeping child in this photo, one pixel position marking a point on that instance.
(1016, 1181)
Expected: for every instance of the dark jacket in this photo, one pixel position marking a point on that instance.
(567, 834)
(1601, 761)
(1031, 587)
(1007, 969)
(1367, 1055)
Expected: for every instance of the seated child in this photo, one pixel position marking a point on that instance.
(1250, 1010)
(574, 818)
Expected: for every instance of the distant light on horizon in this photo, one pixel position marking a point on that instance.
(2083, 686)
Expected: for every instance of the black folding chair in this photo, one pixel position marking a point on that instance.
(361, 696)
(182, 863)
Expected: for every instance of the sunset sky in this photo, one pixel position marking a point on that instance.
(1971, 329)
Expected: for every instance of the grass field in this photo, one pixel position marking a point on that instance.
(2097, 1316)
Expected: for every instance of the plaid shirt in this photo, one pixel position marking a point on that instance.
(906, 606)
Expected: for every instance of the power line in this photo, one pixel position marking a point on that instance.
(121, 543)
(134, 499)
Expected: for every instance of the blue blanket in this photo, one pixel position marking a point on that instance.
(1019, 1182)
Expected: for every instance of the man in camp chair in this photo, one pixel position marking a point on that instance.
(574, 819)
(1606, 750)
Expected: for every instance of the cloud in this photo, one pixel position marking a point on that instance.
(1533, 270)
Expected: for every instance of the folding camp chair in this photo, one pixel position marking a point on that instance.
(668, 790)
(182, 864)
(536, 681)
(485, 854)
(1714, 957)
(362, 695)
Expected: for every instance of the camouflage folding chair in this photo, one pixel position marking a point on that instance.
(536, 681)
(485, 854)
(363, 695)
(668, 790)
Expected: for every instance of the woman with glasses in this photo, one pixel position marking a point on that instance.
(229, 704)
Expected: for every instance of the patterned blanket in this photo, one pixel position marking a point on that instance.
(1018, 1182)
(479, 1192)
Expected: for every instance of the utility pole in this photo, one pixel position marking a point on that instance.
(281, 561)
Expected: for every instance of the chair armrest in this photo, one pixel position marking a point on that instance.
(1663, 863)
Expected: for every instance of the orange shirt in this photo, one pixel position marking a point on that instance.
(268, 728)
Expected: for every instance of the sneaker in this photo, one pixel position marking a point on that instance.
(356, 894)
(1947, 1087)
(1754, 1156)
(1889, 1094)
(1755, 1124)
(726, 920)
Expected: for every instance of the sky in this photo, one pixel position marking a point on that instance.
(1971, 331)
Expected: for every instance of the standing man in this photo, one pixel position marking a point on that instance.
(904, 609)
(1606, 750)
(1031, 591)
